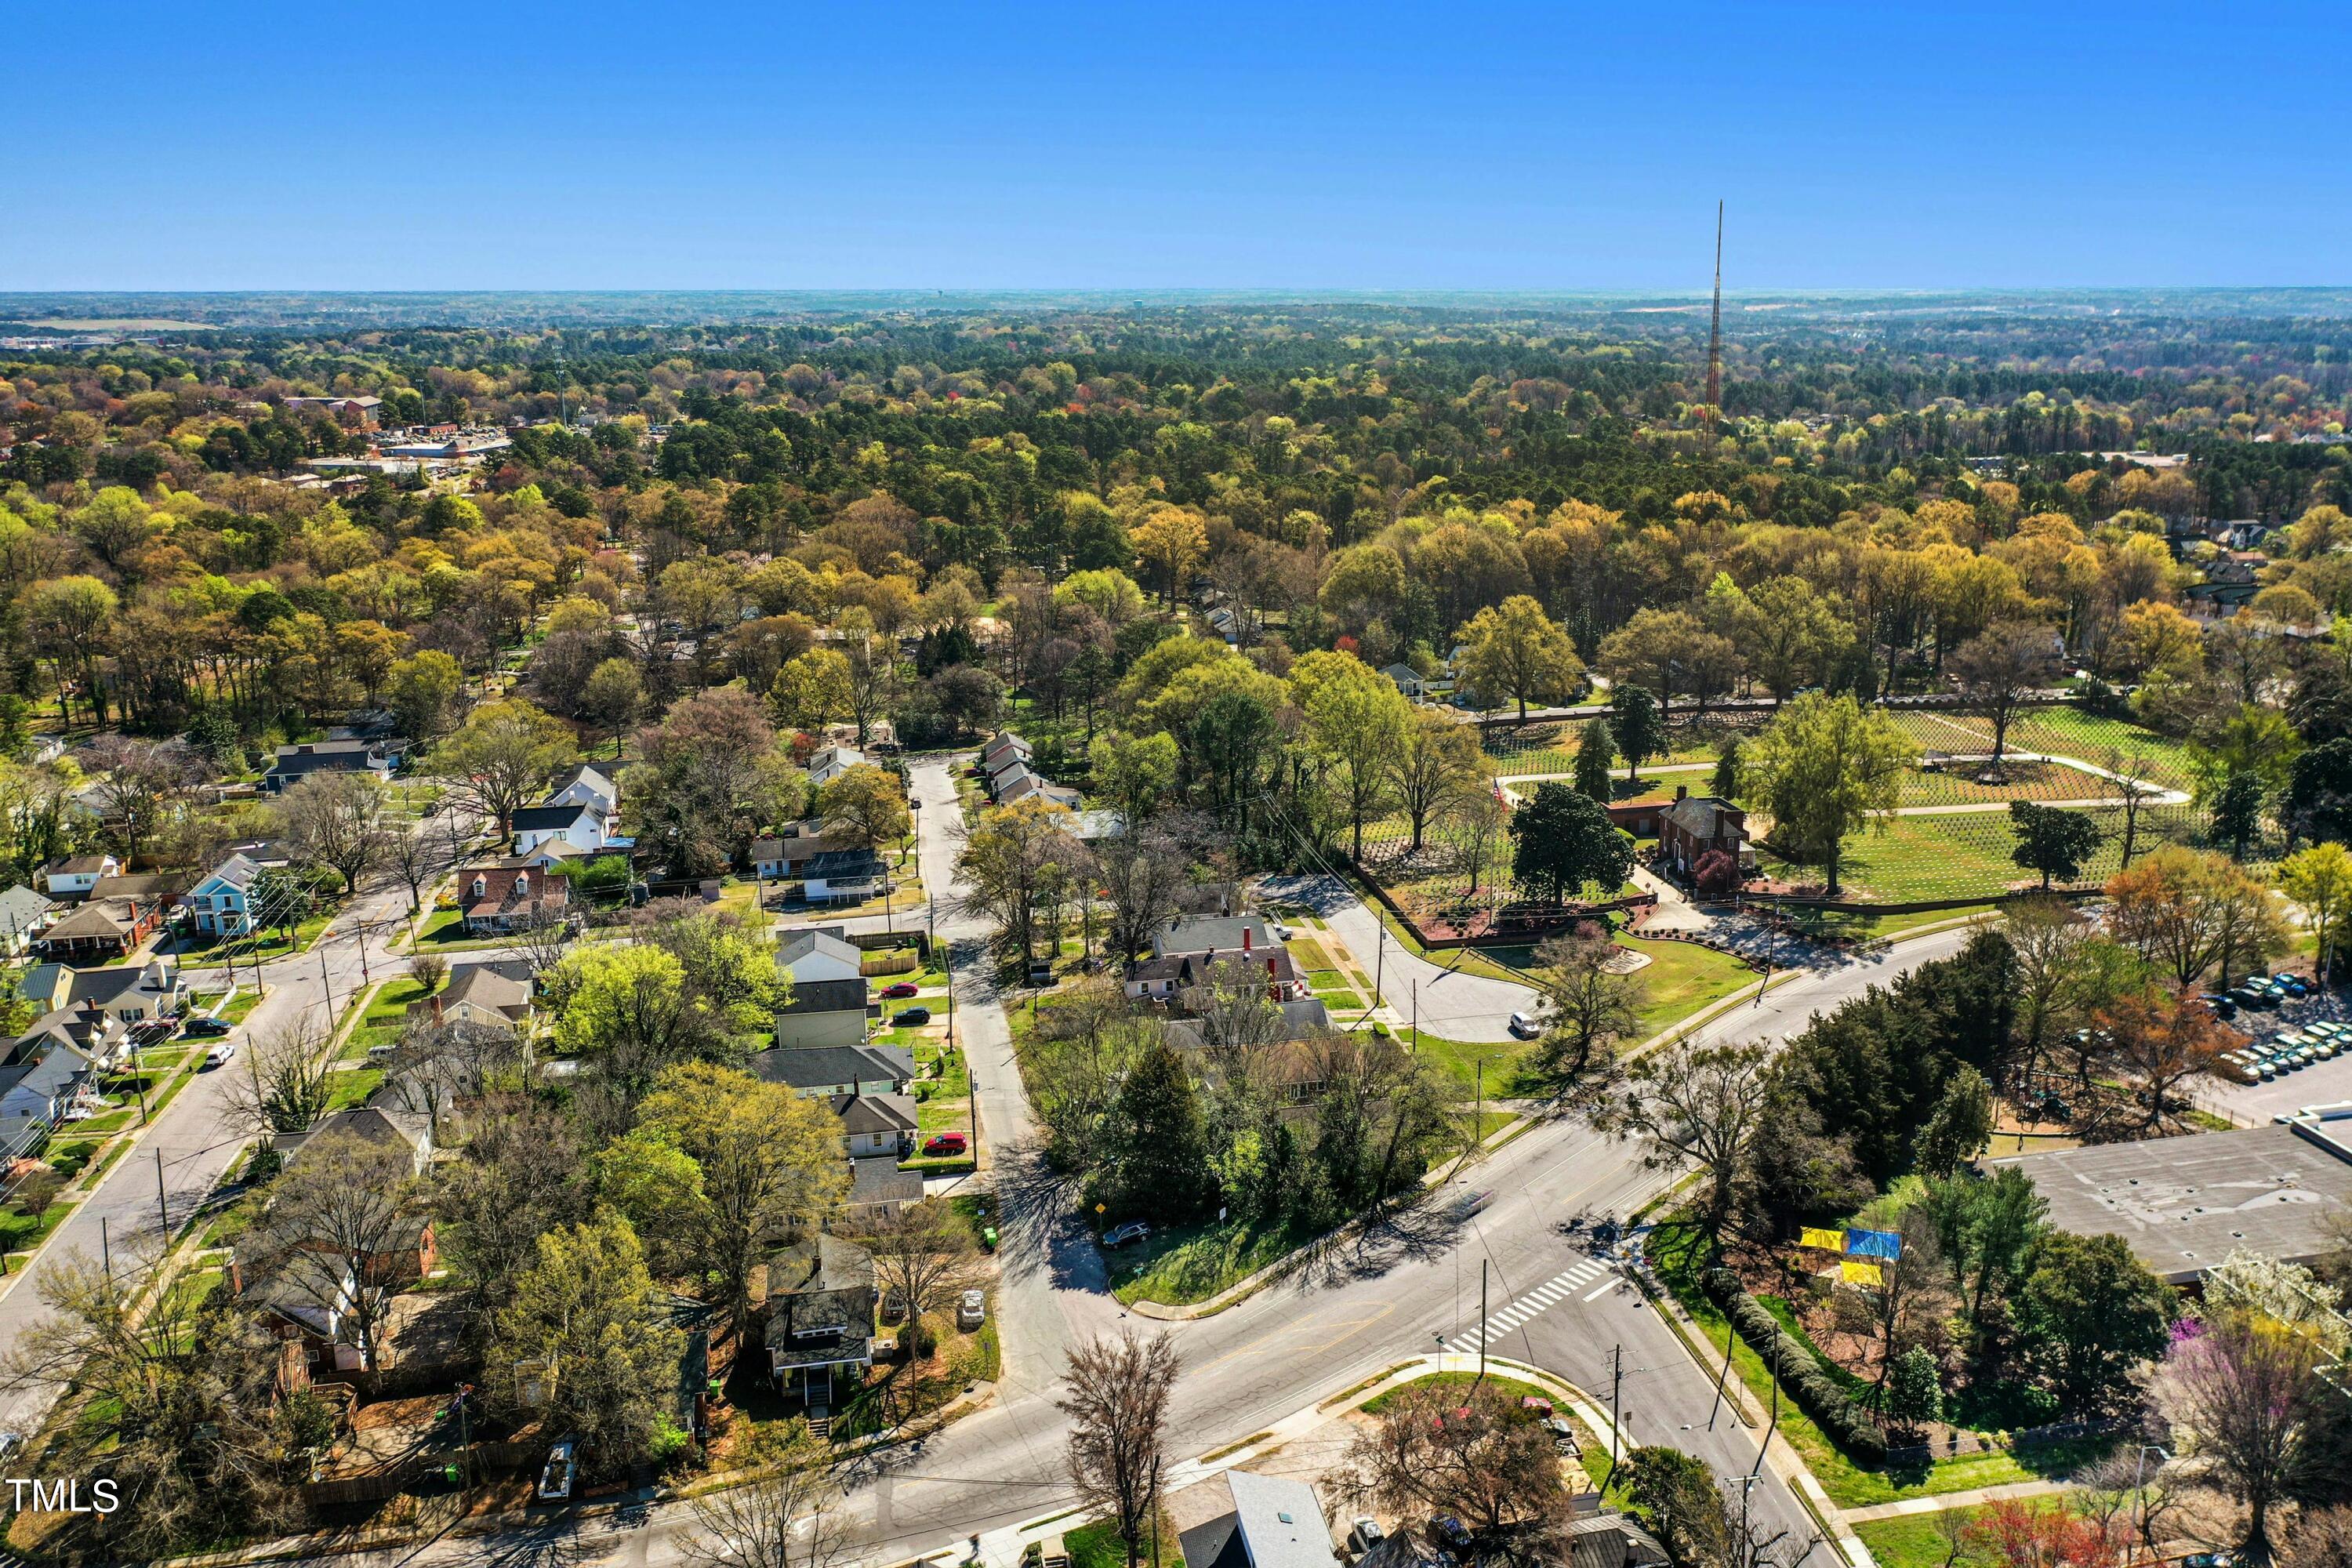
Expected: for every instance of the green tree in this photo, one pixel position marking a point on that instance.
(1517, 651)
(422, 692)
(1565, 840)
(1724, 784)
(770, 1164)
(1163, 1162)
(1136, 771)
(1640, 726)
(2088, 1312)
(1679, 1493)
(812, 690)
(1356, 723)
(2052, 841)
(1915, 1397)
(1596, 753)
(1436, 761)
(502, 756)
(2320, 879)
(1961, 1124)
(587, 1332)
(611, 700)
(866, 805)
(1824, 768)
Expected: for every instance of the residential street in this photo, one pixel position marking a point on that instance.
(194, 1136)
(1337, 1319)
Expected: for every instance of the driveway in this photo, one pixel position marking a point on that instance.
(1453, 1005)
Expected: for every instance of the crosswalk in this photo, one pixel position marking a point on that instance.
(1560, 1288)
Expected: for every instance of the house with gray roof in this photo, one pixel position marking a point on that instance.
(876, 1124)
(820, 1329)
(808, 955)
(1227, 936)
(24, 913)
(1275, 1521)
(832, 1071)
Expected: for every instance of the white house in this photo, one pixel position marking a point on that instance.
(580, 826)
(586, 785)
(814, 955)
(78, 874)
(23, 914)
(876, 1124)
(827, 766)
(844, 876)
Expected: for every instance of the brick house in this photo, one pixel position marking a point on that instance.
(1696, 824)
(510, 895)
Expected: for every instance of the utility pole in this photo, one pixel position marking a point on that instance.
(1616, 1382)
(1771, 949)
(162, 1206)
(1482, 1320)
(1775, 1423)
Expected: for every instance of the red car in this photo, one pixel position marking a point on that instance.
(904, 988)
(946, 1143)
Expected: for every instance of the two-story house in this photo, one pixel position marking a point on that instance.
(74, 876)
(830, 762)
(139, 994)
(222, 904)
(24, 915)
(820, 1329)
(1697, 823)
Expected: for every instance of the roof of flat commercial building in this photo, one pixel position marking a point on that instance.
(2182, 1204)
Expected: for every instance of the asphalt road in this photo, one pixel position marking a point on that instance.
(196, 1139)
(1349, 1311)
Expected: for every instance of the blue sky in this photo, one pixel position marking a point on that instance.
(1108, 145)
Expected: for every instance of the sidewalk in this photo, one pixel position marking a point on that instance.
(1938, 1503)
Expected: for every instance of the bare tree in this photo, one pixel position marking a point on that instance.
(1116, 1394)
(282, 1086)
(1997, 669)
(419, 859)
(2047, 936)
(1145, 872)
(438, 1066)
(1695, 1103)
(542, 937)
(335, 820)
(2249, 1401)
(519, 1177)
(923, 1255)
(336, 1228)
(1477, 824)
(1592, 1005)
(1476, 1456)
(1908, 1309)
(789, 1516)
(2128, 775)
(143, 784)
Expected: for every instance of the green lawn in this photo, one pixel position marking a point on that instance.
(265, 945)
(1097, 1545)
(385, 1018)
(350, 1088)
(1682, 977)
(1191, 1263)
(2061, 731)
(1512, 1386)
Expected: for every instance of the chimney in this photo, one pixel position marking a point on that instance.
(1245, 939)
(1270, 974)
(1682, 792)
(437, 1009)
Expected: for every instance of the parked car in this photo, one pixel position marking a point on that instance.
(221, 1053)
(556, 1477)
(894, 1307)
(907, 1017)
(893, 993)
(2222, 1006)
(1365, 1533)
(2296, 986)
(1563, 1435)
(1133, 1230)
(946, 1143)
(1284, 933)
(972, 1311)
(1449, 1531)
(1524, 1027)
(205, 1028)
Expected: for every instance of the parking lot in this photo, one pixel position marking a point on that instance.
(2320, 1083)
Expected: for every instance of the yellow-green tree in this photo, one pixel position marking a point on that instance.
(1356, 723)
(2320, 879)
(1516, 650)
(1824, 768)
(1172, 542)
(811, 689)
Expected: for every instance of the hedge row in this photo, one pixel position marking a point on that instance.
(1847, 1424)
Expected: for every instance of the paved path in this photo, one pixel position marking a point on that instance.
(1943, 1501)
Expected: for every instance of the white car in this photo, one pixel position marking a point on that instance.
(225, 1051)
(972, 1311)
(1282, 933)
(1524, 1027)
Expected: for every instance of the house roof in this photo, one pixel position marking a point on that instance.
(1700, 816)
(1005, 742)
(822, 1067)
(823, 1262)
(1400, 673)
(106, 987)
(865, 1113)
(1277, 1522)
(877, 1179)
(595, 778)
(531, 818)
(810, 996)
(482, 986)
(411, 1129)
(821, 944)
(1212, 933)
(1301, 1020)
(99, 918)
(20, 907)
(79, 866)
(846, 865)
(1060, 795)
(144, 889)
